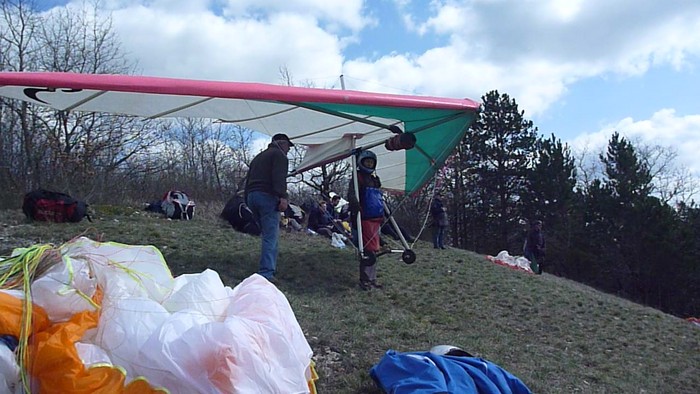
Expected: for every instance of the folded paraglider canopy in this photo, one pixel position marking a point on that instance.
(108, 317)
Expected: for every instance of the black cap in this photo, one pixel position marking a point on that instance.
(282, 137)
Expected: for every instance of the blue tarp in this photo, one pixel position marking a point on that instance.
(425, 372)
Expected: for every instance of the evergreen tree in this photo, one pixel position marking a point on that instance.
(631, 234)
(628, 177)
(551, 197)
(684, 289)
(466, 219)
(551, 183)
(493, 163)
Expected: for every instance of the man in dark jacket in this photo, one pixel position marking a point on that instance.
(534, 248)
(266, 195)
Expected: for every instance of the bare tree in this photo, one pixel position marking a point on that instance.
(81, 40)
(210, 157)
(327, 177)
(21, 149)
(18, 28)
(588, 166)
(672, 182)
(90, 147)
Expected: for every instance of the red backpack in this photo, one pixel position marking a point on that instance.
(50, 206)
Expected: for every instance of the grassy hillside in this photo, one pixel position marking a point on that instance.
(556, 335)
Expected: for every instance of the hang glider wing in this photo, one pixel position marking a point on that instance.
(331, 123)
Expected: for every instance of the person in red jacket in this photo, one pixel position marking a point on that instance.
(371, 208)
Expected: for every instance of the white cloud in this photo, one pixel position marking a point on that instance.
(258, 145)
(564, 10)
(203, 45)
(442, 72)
(534, 49)
(664, 128)
(448, 19)
(337, 14)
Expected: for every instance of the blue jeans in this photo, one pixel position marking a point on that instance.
(438, 237)
(264, 207)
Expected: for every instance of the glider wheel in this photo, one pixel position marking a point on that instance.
(368, 259)
(408, 256)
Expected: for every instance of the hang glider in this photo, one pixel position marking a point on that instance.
(332, 124)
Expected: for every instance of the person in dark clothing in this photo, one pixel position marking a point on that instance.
(534, 248)
(440, 222)
(370, 206)
(320, 220)
(266, 196)
(340, 213)
(332, 207)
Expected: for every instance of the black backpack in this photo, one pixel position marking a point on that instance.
(239, 216)
(50, 206)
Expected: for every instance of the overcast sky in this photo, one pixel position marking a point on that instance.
(579, 69)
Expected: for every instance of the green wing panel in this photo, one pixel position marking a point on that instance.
(437, 132)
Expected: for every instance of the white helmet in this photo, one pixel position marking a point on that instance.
(367, 161)
(449, 350)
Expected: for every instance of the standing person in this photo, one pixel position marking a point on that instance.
(371, 209)
(266, 195)
(534, 248)
(440, 222)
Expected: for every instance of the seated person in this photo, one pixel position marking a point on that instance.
(289, 223)
(331, 207)
(293, 217)
(338, 212)
(320, 221)
(344, 213)
(340, 216)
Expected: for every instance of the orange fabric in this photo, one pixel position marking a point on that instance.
(138, 386)
(52, 359)
(11, 316)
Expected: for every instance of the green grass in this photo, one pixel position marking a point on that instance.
(556, 335)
